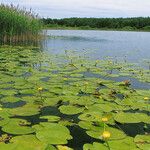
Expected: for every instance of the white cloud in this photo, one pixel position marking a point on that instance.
(87, 8)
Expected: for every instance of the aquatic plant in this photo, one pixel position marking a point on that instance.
(18, 25)
(60, 107)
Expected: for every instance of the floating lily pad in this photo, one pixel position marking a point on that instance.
(100, 108)
(116, 134)
(95, 146)
(83, 101)
(91, 116)
(4, 119)
(11, 99)
(29, 142)
(17, 126)
(4, 146)
(71, 110)
(132, 117)
(123, 144)
(52, 133)
(25, 110)
(89, 125)
(142, 141)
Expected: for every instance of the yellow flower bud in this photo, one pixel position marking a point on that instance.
(40, 88)
(104, 119)
(106, 135)
(146, 98)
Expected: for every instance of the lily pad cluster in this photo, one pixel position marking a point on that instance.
(44, 98)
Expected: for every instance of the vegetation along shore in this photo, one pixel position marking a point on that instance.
(67, 100)
(18, 25)
(122, 24)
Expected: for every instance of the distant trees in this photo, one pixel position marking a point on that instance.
(112, 23)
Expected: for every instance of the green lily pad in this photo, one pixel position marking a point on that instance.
(91, 116)
(10, 99)
(116, 134)
(123, 144)
(83, 101)
(28, 142)
(100, 108)
(10, 92)
(4, 146)
(142, 141)
(89, 125)
(4, 119)
(132, 117)
(71, 110)
(25, 110)
(52, 133)
(17, 127)
(95, 146)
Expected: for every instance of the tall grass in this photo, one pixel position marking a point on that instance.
(18, 25)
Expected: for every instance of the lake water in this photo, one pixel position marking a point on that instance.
(132, 46)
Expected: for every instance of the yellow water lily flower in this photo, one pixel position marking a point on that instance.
(104, 119)
(106, 135)
(146, 98)
(40, 88)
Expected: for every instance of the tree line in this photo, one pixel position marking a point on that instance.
(112, 23)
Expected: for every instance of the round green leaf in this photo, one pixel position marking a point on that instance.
(70, 110)
(17, 126)
(52, 133)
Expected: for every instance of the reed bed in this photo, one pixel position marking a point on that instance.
(18, 25)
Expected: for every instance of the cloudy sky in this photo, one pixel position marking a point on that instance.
(86, 8)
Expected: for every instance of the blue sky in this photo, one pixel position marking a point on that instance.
(86, 8)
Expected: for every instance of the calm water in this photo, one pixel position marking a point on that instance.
(132, 46)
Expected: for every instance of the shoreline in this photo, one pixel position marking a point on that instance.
(96, 29)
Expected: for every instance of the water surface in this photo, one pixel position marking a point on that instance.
(121, 45)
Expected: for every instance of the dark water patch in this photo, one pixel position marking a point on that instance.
(35, 119)
(55, 72)
(27, 74)
(134, 82)
(79, 138)
(133, 129)
(120, 96)
(137, 111)
(45, 79)
(49, 110)
(13, 105)
(46, 111)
